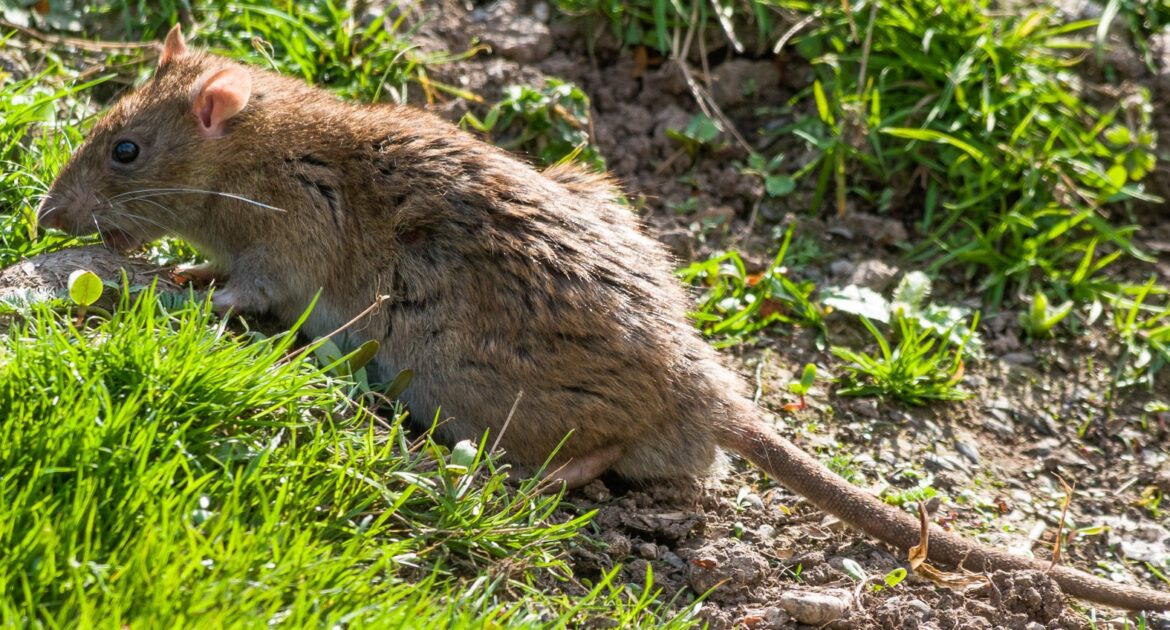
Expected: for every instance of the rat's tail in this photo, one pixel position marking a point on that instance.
(807, 477)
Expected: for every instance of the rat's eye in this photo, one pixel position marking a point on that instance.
(125, 152)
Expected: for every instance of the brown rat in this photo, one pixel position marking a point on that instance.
(501, 280)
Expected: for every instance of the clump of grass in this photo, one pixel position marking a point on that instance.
(159, 470)
(550, 123)
(735, 305)
(923, 366)
(1017, 171)
(655, 23)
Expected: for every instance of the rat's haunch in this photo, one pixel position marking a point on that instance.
(501, 279)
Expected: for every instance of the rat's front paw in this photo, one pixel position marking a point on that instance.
(199, 275)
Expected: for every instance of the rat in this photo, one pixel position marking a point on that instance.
(528, 304)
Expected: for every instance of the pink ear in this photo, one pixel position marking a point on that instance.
(173, 47)
(219, 97)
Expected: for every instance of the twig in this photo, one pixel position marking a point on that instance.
(701, 96)
(507, 421)
(1068, 492)
(83, 44)
(790, 33)
(377, 302)
(866, 48)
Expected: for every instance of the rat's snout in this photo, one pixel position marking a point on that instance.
(50, 215)
(62, 210)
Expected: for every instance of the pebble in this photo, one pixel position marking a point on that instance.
(999, 427)
(648, 551)
(671, 558)
(813, 608)
(841, 268)
(920, 606)
(967, 450)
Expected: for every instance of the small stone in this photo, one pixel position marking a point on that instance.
(1019, 358)
(766, 532)
(841, 268)
(648, 551)
(867, 407)
(813, 608)
(671, 558)
(1034, 625)
(967, 450)
(919, 606)
(998, 426)
(874, 274)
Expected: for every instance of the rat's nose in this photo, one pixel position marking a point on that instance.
(49, 216)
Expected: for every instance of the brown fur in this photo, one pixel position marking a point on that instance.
(501, 280)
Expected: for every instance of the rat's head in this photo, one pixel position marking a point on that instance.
(132, 178)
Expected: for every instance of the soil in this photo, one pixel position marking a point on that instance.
(764, 558)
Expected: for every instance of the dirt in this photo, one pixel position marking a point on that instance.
(764, 558)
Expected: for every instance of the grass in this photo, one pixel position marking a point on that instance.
(550, 123)
(1021, 178)
(161, 471)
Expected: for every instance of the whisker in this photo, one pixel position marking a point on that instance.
(166, 191)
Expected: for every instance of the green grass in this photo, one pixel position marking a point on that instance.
(749, 25)
(1021, 180)
(160, 471)
(550, 123)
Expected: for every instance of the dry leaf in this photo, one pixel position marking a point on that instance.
(641, 60)
(917, 554)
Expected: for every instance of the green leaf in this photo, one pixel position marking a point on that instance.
(895, 577)
(463, 454)
(85, 287)
(779, 185)
(1117, 175)
(361, 357)
(930, 135)
(854, 570)
(399, 384)
(702, 129)
(822, 103)
(808, 376)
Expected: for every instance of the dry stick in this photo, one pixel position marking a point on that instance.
(377, 302)
(1068, 492)
(866, 47)
(704, 100)
(790, 33)
(83, 44)
(507, 421)
(725, 23)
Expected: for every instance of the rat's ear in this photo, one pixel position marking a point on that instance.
(218, 97)
(173, 47)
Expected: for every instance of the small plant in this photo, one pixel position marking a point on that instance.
(1040, 318)
(549, 123)
(776, 183)
(1144, 331)
(908, 301)
(702, 131)
(802, 387)
(911, 496)
(922, 367)
(735, 305)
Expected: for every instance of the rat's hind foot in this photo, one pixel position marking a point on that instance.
(580, 470)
